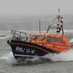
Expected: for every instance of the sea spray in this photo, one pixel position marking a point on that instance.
(63, 56)
(9, 58)
(4, 37)
(71, 41)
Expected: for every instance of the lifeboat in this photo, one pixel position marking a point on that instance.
(33, 45)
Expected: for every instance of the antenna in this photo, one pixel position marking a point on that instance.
(59, 25)
(59, 17)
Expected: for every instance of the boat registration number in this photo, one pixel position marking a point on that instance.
(25, 50)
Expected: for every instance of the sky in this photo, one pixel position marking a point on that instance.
(35, 7)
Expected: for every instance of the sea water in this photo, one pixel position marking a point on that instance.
(59, 63)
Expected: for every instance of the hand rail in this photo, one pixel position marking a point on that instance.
(18, 35)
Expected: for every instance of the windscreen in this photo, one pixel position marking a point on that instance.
(54, 39)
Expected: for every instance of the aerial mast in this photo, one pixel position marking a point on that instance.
(59, 24)
(60, 21)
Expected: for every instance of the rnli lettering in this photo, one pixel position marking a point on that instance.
(26, 50)
(19, 49)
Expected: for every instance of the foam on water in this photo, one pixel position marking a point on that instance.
(71, 41)
(5, 34)
(63, 56)
(4, 37)
(9, 58)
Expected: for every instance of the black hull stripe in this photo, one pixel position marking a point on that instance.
(33, 45)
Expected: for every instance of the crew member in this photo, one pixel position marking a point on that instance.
(58, 28)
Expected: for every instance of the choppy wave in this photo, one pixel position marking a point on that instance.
(63, 56)
(71, 41)
(6, 34)
(9, 58)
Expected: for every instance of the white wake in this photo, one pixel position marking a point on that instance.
(9, 58)
(63, 56)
